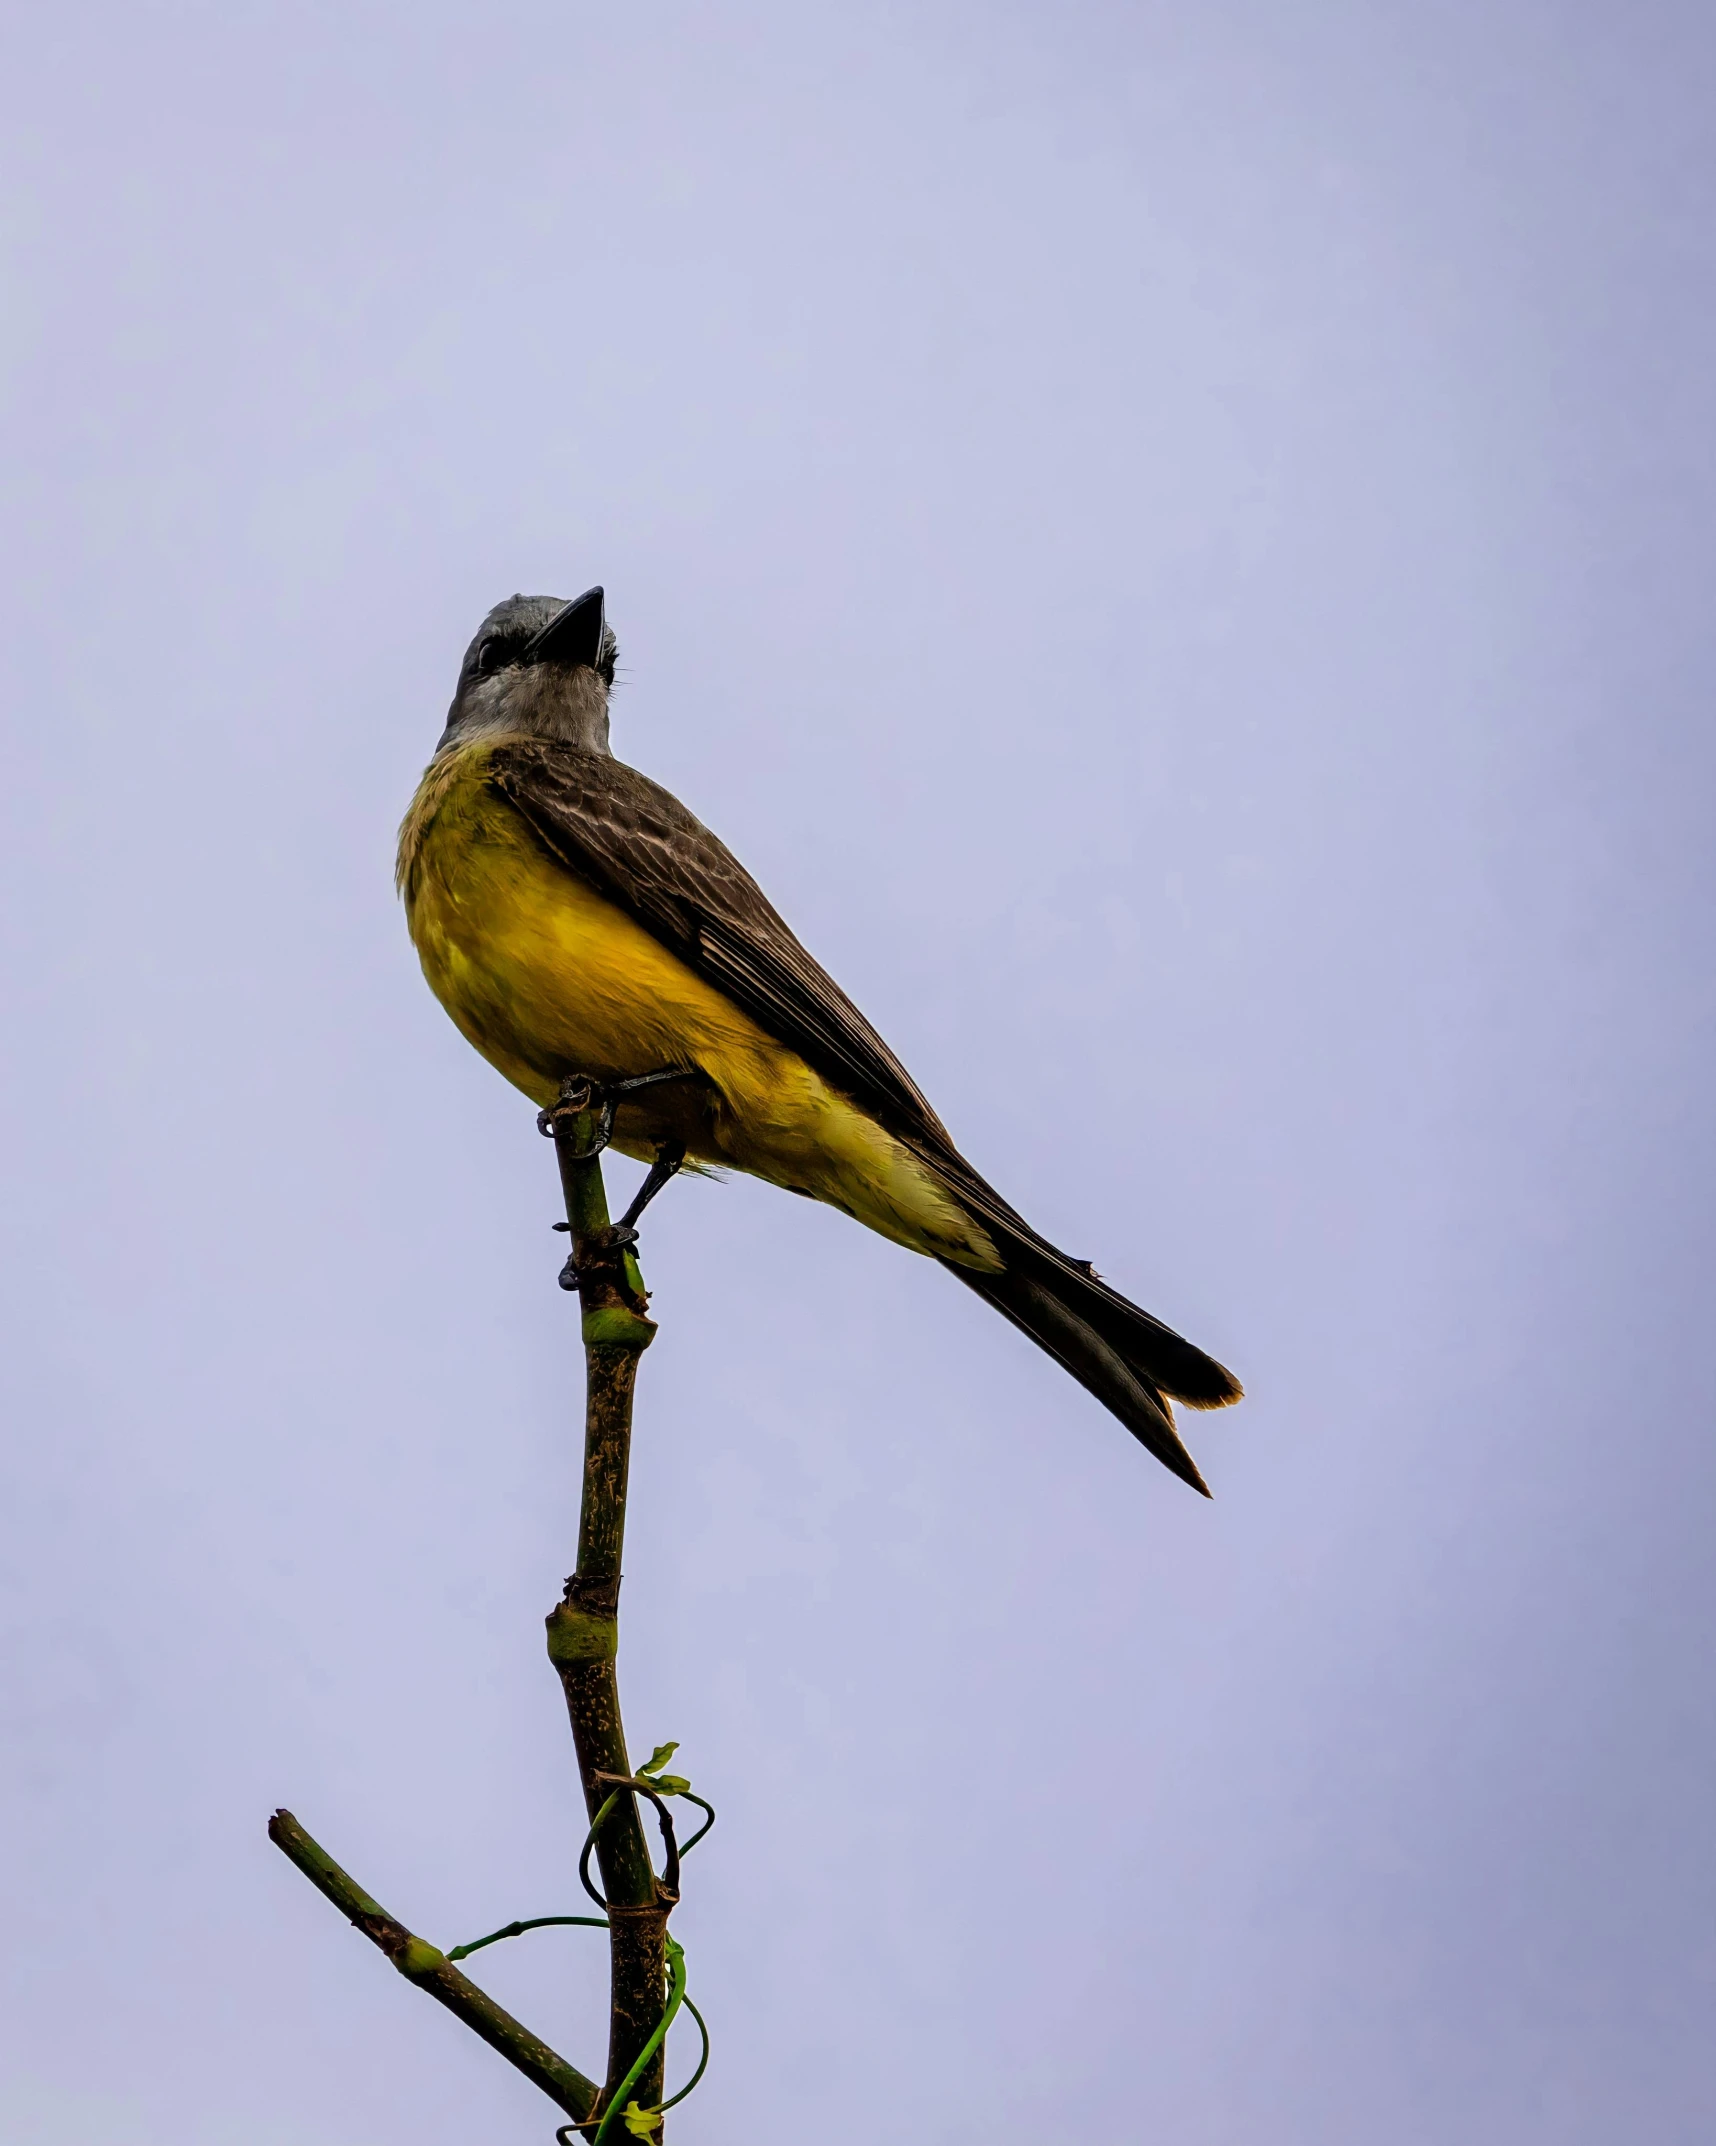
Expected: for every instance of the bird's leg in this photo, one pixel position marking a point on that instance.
(668, 1159)
(581, 1093)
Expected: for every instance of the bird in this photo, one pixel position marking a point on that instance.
(576, 920)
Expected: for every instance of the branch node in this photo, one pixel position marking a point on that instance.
(578, 1635)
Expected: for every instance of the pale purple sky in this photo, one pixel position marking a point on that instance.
(1176, 542)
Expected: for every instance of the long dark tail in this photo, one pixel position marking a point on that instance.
(1130, 1361)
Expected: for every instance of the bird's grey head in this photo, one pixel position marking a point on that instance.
(538, 667)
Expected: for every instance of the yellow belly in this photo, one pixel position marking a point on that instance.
(545, 977)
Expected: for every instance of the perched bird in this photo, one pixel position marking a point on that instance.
(575, 919)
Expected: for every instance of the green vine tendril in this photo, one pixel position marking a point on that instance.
(641, 2123)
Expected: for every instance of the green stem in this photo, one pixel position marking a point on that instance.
(517, 1929)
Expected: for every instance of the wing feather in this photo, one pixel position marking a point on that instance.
(638, 845)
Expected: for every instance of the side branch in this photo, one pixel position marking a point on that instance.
(429, 1968)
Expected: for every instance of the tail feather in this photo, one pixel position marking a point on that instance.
(1128, 1360)
(1168, 1359)
(1076, 1345)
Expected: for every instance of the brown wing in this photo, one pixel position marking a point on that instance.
(635, 842)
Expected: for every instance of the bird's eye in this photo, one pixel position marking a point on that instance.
(488, 656)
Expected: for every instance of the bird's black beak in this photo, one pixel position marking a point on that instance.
(572, 635)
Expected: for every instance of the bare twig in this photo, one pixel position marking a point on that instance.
(420, 1962)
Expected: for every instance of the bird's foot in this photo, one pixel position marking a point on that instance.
(622, 1235)
(582, 1092)
(580, 1095)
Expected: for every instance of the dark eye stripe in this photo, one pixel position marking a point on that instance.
(495, 652)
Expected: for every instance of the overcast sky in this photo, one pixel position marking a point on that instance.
(1176, 542)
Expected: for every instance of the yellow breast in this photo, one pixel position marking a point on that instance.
(546, 977)
(542, 974)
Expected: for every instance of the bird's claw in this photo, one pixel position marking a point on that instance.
(580, 1092)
